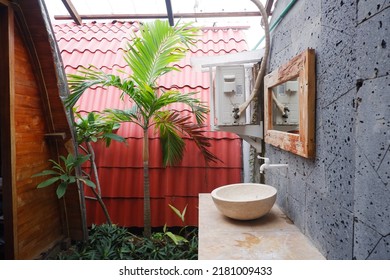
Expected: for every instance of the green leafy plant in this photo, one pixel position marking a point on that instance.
(62, 173)
(89, 129)
(94, 127)
(117, 243)
(112, 242)
(181, 237)
(176, 238)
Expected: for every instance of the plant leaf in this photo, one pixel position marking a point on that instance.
(172, 237)
(48, 182)
(165, 228)
(45, 172)
(61, 189)
(115, 137)
(176, 238)
(183, 213)
(91, 117)
(64, 177)
(88, 182)
(81, 159)
(57, 165)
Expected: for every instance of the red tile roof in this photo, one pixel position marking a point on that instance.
(120, 166)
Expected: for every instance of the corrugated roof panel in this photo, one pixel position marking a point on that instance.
(120, 165)
(221, 33)
(129, 212)
(100, 99)
(99, 44)
(228, 151)
(91, 28)
(123, 182)
(185, 78)
(221, 45)
(98, 58)
(125, 203)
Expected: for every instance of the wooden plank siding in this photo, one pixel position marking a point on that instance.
(35, 219)
(38, 211)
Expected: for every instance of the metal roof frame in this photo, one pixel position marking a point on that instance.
(73, 14)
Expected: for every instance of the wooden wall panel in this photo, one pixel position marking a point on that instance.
(34, 219)
(38, 212)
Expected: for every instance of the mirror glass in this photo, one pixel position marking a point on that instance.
(285, 107)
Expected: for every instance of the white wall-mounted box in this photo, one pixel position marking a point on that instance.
(229, 94)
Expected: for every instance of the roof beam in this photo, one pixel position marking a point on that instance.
(159, 16)
(169, 12)
(72, 11)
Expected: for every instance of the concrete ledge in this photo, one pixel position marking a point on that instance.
(273, 237)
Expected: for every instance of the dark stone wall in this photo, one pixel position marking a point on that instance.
(340, 199)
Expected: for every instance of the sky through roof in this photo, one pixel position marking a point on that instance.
(253, 34)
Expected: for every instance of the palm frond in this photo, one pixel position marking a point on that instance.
(171, 141)
(169, 97)
(88, 77)
(153, 54)
(126, 115)
(172, 125)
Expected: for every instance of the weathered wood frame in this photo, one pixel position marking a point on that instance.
(302, 67)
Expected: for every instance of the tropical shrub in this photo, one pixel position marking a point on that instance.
(111, 242)
(63, 174)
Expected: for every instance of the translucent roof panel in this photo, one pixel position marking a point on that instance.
(93, 7)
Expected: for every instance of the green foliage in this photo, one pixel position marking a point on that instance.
(176, 238)
(111, 242)
(63, 174)
(181, 214)
(94, 127)
(88, 77)
(153, 54)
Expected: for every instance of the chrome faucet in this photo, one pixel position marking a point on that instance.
(268, 165)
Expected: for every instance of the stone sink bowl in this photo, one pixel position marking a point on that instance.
(244, 201)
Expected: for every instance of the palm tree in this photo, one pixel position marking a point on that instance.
(150, 56)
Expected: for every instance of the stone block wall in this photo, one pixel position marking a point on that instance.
(340, 199)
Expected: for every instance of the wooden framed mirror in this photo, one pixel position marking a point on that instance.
(289, 105)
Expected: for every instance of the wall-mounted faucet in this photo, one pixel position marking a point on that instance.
(268, 165)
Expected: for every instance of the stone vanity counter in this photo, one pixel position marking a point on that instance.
(272, 237)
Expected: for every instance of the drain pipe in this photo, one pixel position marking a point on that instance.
(284, 12)
(238, 111)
